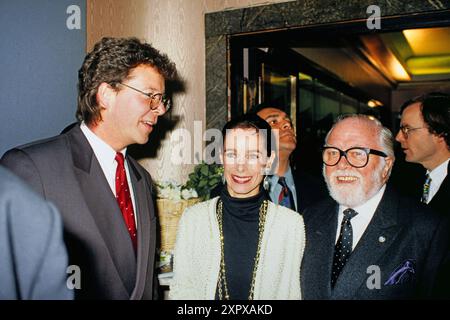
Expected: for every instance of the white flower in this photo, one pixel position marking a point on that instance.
(169, 190)
(188, 194)
(174, 191)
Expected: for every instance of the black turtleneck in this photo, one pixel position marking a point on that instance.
(240, 230)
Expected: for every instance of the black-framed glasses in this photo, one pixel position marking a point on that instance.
(405, 130)
(156, 99)
(357, 157)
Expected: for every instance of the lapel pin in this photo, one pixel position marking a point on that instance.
(381, 239)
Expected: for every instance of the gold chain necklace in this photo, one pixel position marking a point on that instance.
(222, 285)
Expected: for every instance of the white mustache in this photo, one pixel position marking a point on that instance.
(345, 173)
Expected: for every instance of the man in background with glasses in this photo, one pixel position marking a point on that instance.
(104, 195)
(425, 139)
(367, 242)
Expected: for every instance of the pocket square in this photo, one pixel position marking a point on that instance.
(402, 273)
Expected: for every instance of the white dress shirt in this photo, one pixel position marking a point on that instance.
(437, 177)
(106, 157)
(363, 218)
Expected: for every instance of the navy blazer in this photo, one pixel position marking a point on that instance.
(401, 233)
(64, 170)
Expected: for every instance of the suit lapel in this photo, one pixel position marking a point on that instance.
(103, 208)
(144, 205)
(321, 238)
(440, 199)
(378, 237)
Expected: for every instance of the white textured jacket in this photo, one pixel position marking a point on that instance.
(197, 254)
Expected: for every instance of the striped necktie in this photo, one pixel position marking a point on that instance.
(426, 189)
(285, 197)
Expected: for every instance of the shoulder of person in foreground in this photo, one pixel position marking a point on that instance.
(32, 249)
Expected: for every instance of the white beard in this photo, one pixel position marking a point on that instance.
(352, 195)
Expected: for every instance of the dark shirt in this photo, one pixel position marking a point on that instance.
(240, 231)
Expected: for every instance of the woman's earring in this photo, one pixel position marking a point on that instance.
(266, 185)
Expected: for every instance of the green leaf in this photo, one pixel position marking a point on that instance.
(204, 170)
(213, 182)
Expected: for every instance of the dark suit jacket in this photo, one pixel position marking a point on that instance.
(441, 200)
(309, 189)
(65, 171)
(400, 230)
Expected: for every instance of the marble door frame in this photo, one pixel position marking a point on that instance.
(220, 26)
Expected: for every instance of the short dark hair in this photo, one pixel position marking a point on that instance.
(250, 121)
(435, 108)
(261, 106)
(111, 61)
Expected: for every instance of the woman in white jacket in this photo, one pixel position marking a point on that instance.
(239, 245)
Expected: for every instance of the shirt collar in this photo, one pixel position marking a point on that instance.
(369, 207)
(439, 173)
(103, 151)
(273, 180)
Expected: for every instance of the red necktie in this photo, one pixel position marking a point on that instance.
(123, 197)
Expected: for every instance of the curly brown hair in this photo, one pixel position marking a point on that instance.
(111, 61)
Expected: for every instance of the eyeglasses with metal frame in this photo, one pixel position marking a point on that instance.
(405, 130)
(156, 99)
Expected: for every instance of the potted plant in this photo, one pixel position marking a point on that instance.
(173, 199)
(204, 179)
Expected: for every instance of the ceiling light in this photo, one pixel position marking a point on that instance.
(374, 103)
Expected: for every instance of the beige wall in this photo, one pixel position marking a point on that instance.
(177, 28)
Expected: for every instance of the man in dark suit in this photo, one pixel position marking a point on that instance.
(104, 195)
(288, 183)
(425, 139)
(368, 242)
(33, 257)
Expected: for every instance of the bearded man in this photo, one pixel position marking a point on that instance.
(366, 242)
